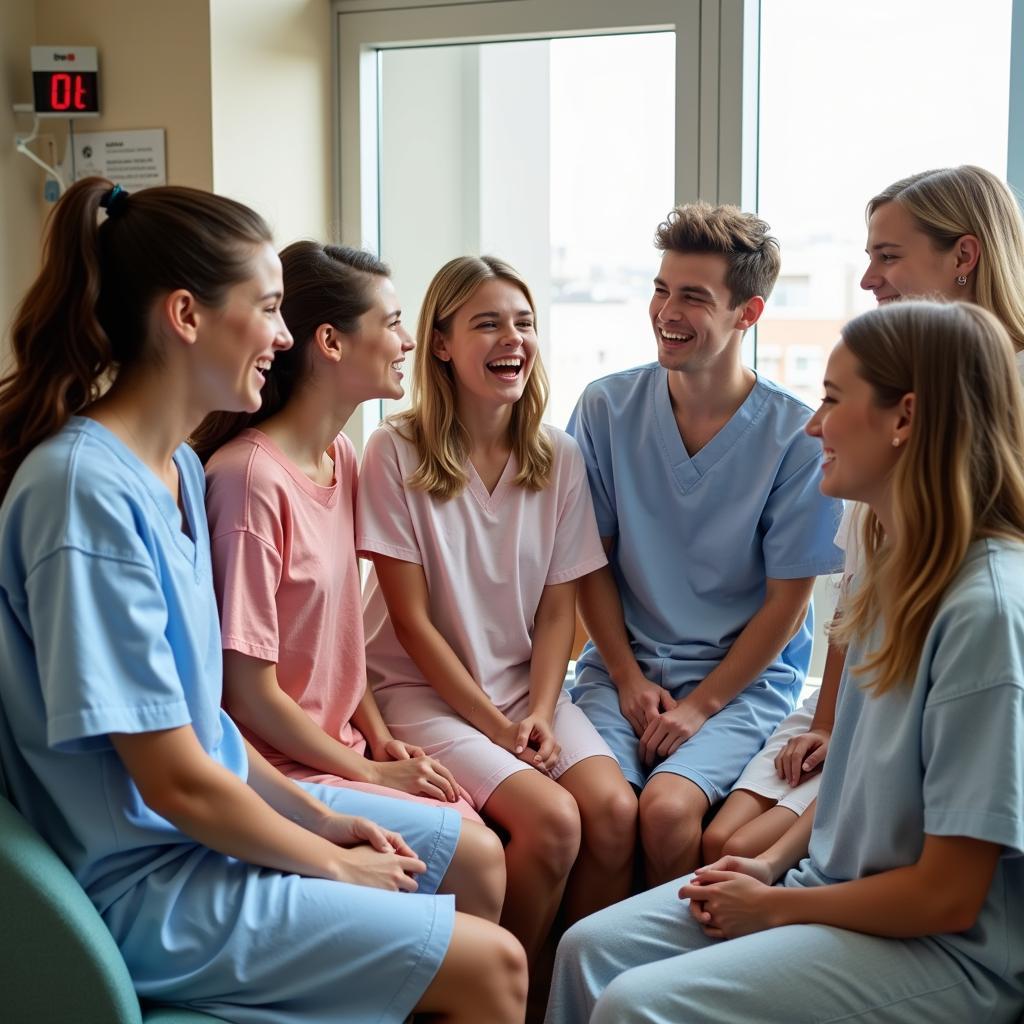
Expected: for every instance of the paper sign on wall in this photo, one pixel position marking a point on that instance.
(133, 160)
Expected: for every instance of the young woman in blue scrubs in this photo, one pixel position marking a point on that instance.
(902, 902)
(228, 888)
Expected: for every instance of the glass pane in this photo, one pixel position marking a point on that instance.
(556, 155)
(848, 106)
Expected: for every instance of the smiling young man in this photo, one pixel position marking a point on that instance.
(706, 493)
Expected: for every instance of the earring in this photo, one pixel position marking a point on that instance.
(896, 442)
(962, 280)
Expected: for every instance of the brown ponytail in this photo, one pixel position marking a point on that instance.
(87, 313)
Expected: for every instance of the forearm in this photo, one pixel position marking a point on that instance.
(825, 710)
(444, 671)
(941, 893)
(552, 647)
(282, 794)
(760, 642)
(273, 716)
(211, 805)
(600, 609)
(370, 722)
(897, 904)
(791, 847)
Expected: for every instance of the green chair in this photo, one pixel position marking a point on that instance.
(58, 962)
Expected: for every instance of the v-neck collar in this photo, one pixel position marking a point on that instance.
(490, 502)
(154, 486)
(688, 470)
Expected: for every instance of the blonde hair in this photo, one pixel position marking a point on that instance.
(952, 202)
(959, 478)
(432, 423)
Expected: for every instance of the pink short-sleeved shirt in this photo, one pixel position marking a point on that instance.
(487, 559)
(287, 579)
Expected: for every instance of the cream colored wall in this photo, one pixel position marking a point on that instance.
(242, 90)
(21, 208)
(271, 75)
(154, 71)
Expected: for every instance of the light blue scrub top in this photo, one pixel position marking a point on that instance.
(108, 623)
(696, 538)
(944, 756)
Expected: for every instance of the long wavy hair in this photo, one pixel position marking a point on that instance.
(958, 479)
(85, 317)
(323, 284)
(432, 422)
(951, 202)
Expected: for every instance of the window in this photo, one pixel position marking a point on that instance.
(848, 105)
(553, 133)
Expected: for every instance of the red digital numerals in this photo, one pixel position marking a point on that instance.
(68, 92)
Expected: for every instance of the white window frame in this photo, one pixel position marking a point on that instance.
(1015, 129)
(711, 143)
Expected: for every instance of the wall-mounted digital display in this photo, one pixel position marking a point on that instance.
(65, 81)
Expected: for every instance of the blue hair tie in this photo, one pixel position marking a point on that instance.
(114, 200)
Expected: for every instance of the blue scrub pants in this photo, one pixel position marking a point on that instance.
(646, 960)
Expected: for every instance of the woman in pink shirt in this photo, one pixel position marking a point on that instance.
(479, 521)
(281, 489)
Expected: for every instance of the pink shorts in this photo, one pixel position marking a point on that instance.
(417, 714)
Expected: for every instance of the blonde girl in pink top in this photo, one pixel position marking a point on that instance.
(281, 490)
(479, 522)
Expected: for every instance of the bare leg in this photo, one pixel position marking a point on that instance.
(603, 873)
(544, 837)
(740, 807)
(476, 874)
(756, 836)
(482, 977)
(672, 810)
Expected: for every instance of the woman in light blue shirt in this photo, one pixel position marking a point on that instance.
(228, 888)
(905, 905)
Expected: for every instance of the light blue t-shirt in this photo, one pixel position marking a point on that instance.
(944, 756)
(696, 538)
(108, 623)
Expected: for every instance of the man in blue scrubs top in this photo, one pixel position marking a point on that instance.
(706, 493)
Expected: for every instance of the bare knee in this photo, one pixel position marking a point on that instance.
(666, 817)
(481, 847)
(610, 833)
(497, 989)
(483, 866)
(714, 841)
(671, 815)
(483, 976)
(504, 978)
(740, 844)
(552, 831)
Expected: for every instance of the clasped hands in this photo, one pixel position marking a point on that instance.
(532, 740)
(731, 897)
(662, 723)
(375, 856)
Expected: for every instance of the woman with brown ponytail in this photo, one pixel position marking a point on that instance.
(228, 888)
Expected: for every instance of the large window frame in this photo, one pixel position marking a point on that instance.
(717, 98)
(715, 86)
